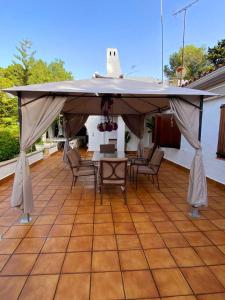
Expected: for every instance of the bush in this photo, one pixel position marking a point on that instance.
(9, 145)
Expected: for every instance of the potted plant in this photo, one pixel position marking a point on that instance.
(127, 139)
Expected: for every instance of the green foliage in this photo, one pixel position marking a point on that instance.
(195, 62)
(26, 69)
(216, 54)
(150, 124)
(9, 145)
(127, 137)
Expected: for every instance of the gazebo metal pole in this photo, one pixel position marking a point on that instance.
(200, 119)
(27, 217)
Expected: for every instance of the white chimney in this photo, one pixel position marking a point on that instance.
(113, 63)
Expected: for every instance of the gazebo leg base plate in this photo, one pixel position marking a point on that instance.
(194, 213)
(25, 219)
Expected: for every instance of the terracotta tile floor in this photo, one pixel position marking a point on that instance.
(75, 248)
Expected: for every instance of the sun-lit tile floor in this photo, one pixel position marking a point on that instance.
(76, 248)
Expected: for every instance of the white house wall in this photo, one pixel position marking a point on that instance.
(95, 137)
(215, 168)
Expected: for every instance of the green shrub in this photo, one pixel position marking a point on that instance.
(9, 145)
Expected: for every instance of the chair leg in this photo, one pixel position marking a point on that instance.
(95, 186)
(125, 195)
(136, 179)
(157, 180)
(72, 184)
(153, 179)
(100, 188)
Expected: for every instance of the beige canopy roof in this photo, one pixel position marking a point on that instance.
(129, 96)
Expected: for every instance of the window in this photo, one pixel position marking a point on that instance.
(221, 138)
(166, 132)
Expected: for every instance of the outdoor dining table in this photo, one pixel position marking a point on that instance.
(97, 155)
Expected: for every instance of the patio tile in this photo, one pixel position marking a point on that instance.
(185, 226)
(80, 243)
(218, 296)
(158, 216)
(73, 284)
(107, 285)
(140, 217)
(19, 264)
(163, 227)
(103, 218)
(105, 261)
(55, 244)
(219, 272)
(126, 242)
(196, 239)
(60, 230)
(122, 217)
(38, 231)
(48, 263)
(77, 262)
(82, 229)
(124, 228)
(171, 282)
(17, 231)
(202, 280)
(152, 240)
(211, 255)
(133, 260)
(39, 287)
(159, 258)
(139, 284)
(45, 220)
(104, 242)
(204, 225)
(64, 219)
(192, 297)
(30, 245)
(10, 287)
(174, 240)
(145, 227)
(217, 237)
(103, 229)
(3, 260)
(220, 223)
(186, 257)
(7, 246)
(84, 218)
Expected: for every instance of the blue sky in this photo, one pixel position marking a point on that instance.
(79, 31)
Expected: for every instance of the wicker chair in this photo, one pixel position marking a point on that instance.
(79, 170)
(152, 168)
(107, 148)
(113, 171)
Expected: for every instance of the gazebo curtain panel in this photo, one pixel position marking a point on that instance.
(136, 124)
(37, 116)
(72, 125)
(187, 117)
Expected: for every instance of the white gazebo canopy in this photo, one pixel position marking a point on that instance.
(40, 104)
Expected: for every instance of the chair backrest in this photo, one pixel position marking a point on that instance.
(107, 148)
(77, 153)
(113, 170)
(148, 152)
(113, 141)
(73, 159)
(157, 157)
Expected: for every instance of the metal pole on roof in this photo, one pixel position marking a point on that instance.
(184, 10)
(162, 38)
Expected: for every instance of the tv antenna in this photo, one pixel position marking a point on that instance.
(184, 10)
